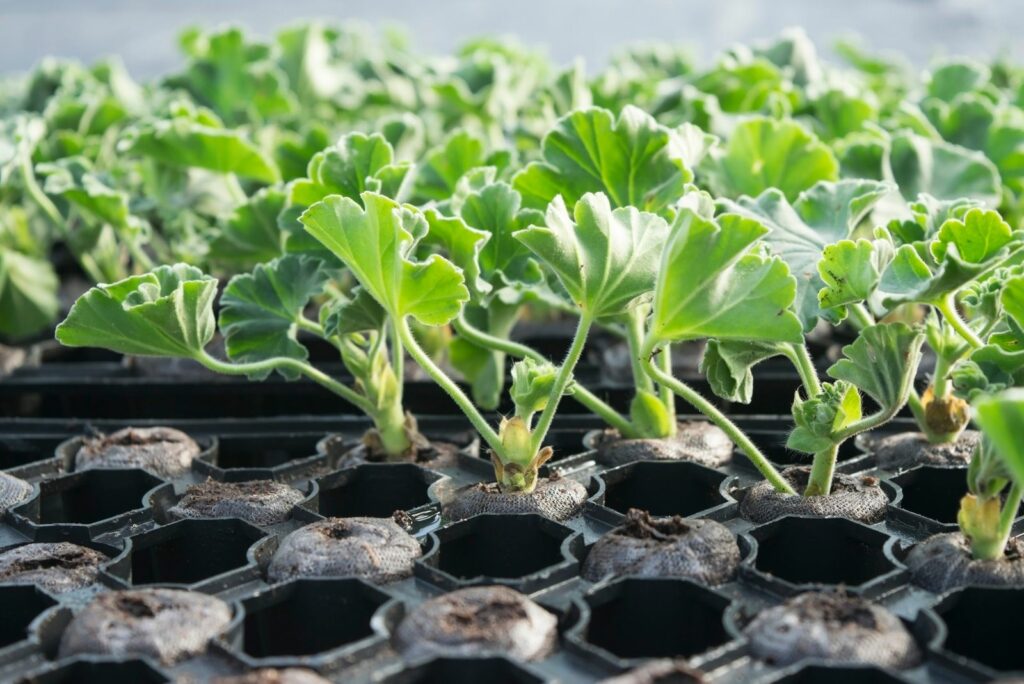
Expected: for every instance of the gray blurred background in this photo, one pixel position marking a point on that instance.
(144, 31)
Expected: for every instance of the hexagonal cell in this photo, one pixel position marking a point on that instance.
(634, 618)
(89, 497)
(262, 456)
(309, 618)
(983, 625)
(190, 552)
(464, 671)
(527, 552)
(22, 603)
(794, 551)
(837, 674)
(17, 452)
(375, 490)
(933, 492)
(663, 488)
(106, 670)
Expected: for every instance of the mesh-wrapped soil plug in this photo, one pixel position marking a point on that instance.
(476, 620)
(833, 627)
(702, 550)
(696, 440)
(429, 455)
(56, 567)
(375, 549)
(12, 491)
(857, 497)
(664, 671)
(944, 562)
(168, 625)
(909, 449)
(557, 498)
(261, 502)
(291, 675)
(164, 451)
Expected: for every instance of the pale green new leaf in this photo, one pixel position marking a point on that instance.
(74, 179)
(437, 177)
(728, 366)
(881, 362)
(713, 282)
(1001, 418)
(259, 310)
(765, 153)
(166, 312)
(461, 244)
(633, 160)
(851, 271)
(376, 244)
(604, 258)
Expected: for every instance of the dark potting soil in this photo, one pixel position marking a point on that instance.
(261, 502)
(12, 491)
(943, 562)
(468, 622)
(909, 449)
(168, 625)
(165, 451)
(696, 440)
(56, 567)
(291, 675)
(555, 498)
(833, 627)
(375, 549)
(702, 550)
(857, 497)
(663, 671)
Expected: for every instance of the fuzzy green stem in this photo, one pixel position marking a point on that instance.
(668, 399)
(823, 469)
(562, 380)
(303, 323)
(947, 307)
(940, 381)
(1009, 514)
(448, 385)
(346, 393)
(634, 340)
(917, 410)
(860, 316)
(801, 359)
(521, 351)
(397, 355)
(709, 410)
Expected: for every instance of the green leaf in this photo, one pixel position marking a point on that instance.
(1001, 418)
(359, 313)
(634, 161)
(956, 77)
(166, 312)
(714, 282)
(259, 310)
(851, 271)
(765, 153)
(462, 245)
(945, 171)
(978, 237)
(604, 258)
(445, 165)
(188, 141)
(728, 366)
(28, 294)
(74, 179)
(820, 419)
(376, 244)
(250, 235)
(879, 359)
(532, 383)
(800, 232)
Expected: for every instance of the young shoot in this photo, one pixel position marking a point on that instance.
(603, 258)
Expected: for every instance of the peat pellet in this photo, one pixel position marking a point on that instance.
(909, 449)
(375, 549)
(291, 675)
(701, 550)
(943, 562)
(56, 567)
(832, 627)
(168, 625)
(13, 491)
(477, 620)
(695, 440)
(857, 497)
(557, 498)
(261, 502)
(164, 451)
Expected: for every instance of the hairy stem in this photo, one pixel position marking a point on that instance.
(668, 399)
(634, 340)
(801, 359)
(1009, 514)
(860, 316)
(322, 379)
(823, 471)
(448, 385)
(562, 380)
(708, 409)
(521, 351)
(947, 307)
